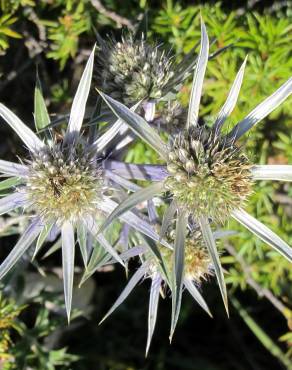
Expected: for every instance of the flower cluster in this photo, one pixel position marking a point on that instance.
(79, 187)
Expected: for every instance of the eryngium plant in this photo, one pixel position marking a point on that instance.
(206, 174)
(62, 186)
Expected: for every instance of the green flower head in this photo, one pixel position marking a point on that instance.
(132, 70)
(209, 175)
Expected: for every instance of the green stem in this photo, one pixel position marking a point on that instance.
(266, 341)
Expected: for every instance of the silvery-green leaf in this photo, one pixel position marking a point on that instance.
(82, 241)
(93, 228)
(131, 201)
(79, 102)
(41, 116)
(107, 205)
(13, 169)
(156, 251)
(167, 218)
(178, 270)
(133, 252)
(10, 183)
(68, 255)
(129, 287)
(121, 181)
(137, 124)
(26, 134)
(42, 238)
(152, 212)
(106, 245)
(272, 172)
(196, 295)
(25, 241)
(153, 306)
(55, 247)
(212, 249)
(106, 138)
(231, 99)
(96, 262)
(219, 234)
(118, 144)
(132, 171)
(123, 241)
(263, 232)
(12, 201)
(193, 112)
(128, 254)
(98, 259)
(262, 110)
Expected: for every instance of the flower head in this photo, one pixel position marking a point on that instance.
(133, 70)
(197, 262)
(65, 184)
(200, 161)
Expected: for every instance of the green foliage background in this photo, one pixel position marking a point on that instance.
(57, 35)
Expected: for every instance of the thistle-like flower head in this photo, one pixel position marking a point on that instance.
(209, 175)
(197, 262)
(65, 184)
(132, 70)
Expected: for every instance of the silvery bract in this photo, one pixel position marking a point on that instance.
(207, 176)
